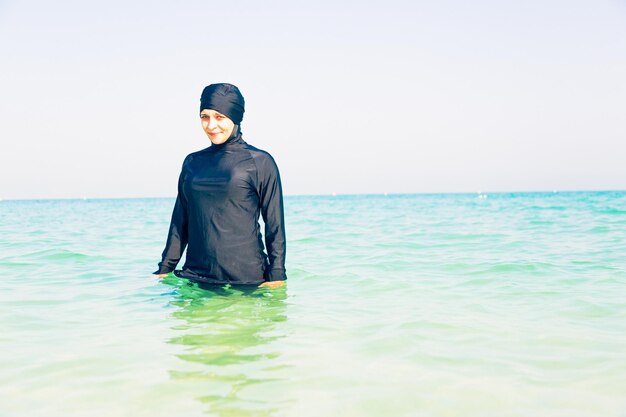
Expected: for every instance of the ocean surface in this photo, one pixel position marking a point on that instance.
(400, 305)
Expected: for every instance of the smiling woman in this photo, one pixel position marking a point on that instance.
(222, 191)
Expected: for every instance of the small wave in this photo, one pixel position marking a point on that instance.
(487, 268)
(53, 255)
(600, 229)
(555, 208)
(611, 211)
(521, 267)
(16, 264)
(540, 222)
(306, 240)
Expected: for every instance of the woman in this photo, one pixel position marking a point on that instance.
(222, 190)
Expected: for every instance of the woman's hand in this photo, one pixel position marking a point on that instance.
(272, 284)
(160, 275)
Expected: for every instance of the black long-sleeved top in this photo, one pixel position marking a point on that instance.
(221, 192)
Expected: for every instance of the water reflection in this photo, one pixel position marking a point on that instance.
(231, 337)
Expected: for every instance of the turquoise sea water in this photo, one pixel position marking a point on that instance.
(408, 305)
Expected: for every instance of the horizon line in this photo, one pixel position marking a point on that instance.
(334, 194)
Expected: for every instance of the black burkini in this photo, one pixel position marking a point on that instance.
(222, 190)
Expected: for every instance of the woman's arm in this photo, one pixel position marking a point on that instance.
(271, 200)
(177, 235)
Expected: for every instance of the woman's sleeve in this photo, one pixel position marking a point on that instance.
(177, 235)
(271, 200)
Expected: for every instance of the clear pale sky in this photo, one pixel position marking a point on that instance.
(100, 99)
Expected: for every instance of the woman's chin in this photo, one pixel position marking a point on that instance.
(217, 140)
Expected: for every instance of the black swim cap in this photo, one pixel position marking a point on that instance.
(223, 98)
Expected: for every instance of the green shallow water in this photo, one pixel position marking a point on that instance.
(413, 305)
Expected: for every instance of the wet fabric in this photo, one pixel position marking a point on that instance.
(222, 191)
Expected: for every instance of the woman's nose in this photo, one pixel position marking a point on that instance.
(212, 123)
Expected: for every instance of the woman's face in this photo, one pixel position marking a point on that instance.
(216, 126)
